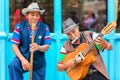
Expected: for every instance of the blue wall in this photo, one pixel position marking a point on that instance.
(111, 58)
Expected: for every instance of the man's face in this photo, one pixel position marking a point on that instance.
(74, 33)
(33, 17)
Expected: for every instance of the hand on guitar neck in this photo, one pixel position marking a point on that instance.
(70, 63)
(104, 44)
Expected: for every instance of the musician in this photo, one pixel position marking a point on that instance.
(97, 70)
(21, 45)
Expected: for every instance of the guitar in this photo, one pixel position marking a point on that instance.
(80, 70)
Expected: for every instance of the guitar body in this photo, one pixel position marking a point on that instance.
(80, 71)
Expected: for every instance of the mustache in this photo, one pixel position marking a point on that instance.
(74, 39)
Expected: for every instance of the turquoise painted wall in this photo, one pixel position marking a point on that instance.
(111, 58)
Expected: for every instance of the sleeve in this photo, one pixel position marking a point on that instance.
(16, 35)
(62, 54)
(47, 38)
(97, 46)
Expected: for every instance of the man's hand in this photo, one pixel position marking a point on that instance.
(70, 63)
(101, 42)
(34, 47)
(25, 64)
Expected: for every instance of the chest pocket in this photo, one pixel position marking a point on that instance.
(39, 37)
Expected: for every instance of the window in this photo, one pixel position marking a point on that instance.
(118, 17)
(90, 14)
(17, 5)
(48, 15)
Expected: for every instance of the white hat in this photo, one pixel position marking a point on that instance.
(32, 7)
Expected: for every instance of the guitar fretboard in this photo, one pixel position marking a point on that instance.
(90, 46)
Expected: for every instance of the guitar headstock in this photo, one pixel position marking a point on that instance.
(109, 27)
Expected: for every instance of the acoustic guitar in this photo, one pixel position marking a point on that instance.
(85, 50)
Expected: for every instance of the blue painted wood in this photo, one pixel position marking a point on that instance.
(3, 36)
(111, 59)
(57, 16)
(111, 10)
(2, 58)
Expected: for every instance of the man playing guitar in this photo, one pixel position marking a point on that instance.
(96, 70)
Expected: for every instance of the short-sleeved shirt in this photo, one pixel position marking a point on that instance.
(16, 34)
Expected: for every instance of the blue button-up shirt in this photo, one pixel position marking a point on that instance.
(16, 34)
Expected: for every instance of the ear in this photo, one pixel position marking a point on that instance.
(26, 16)
(77, 27)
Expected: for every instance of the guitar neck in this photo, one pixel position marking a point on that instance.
(90, 45)
(108, 28)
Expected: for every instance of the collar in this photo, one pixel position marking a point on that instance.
(28, 26)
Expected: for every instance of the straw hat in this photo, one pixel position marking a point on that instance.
(32, 7)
